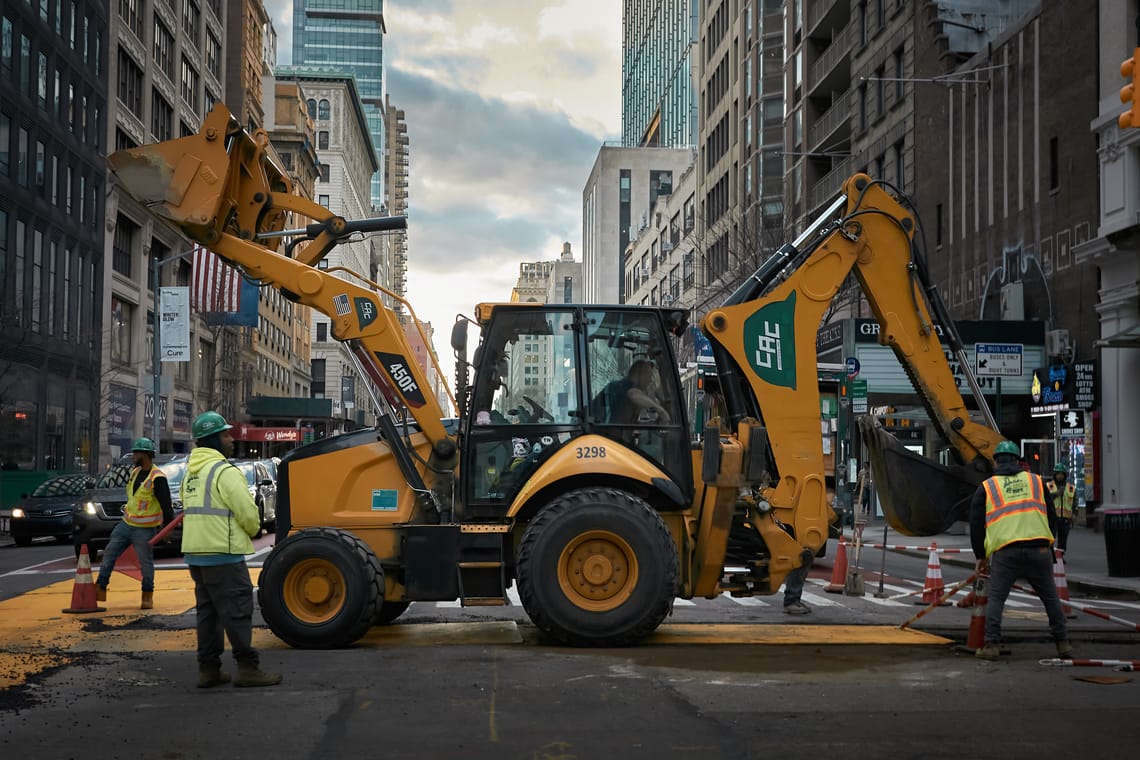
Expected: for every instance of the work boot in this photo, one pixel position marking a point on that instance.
(100, 593)
(990, 651)
(1064, 650)
(211, 675)
(147, 600)
(249, 674)
(797, 608)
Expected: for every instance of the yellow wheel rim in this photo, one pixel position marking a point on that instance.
(314, 591)
(597, 571)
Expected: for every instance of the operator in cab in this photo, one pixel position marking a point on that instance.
(1012, 524)
(625, 401)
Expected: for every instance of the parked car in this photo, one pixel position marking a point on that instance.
(46, 511)
(263, 489)
(102, 507)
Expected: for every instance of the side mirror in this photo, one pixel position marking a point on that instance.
(459, 336)
(266, 482)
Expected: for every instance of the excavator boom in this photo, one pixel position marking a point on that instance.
(759, 338)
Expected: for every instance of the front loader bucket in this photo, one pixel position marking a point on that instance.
(919, 496)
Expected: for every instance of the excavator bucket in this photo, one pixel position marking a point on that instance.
(919, 496)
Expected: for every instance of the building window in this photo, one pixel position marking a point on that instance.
(324, 172)
(123, 245)
(323, 140)
(25, 65)
(900, 168)
(5, 141)
(213, 55)
(130, 84)
(161, 117)
(163, 49)
(1054, 168)
(899, 74)
(322, 332)
(41, 165)
(190, 84)
(121, 316)
(880, 98)
(323, 200)
(131, 12)
(318, 371)
(6, 47)
(191, 21)
(22, 158)
(323, 109)
(311, 105)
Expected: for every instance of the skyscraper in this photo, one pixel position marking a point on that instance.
(658, 106)
(348, 35)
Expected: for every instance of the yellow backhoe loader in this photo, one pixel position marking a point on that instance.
(569, 469)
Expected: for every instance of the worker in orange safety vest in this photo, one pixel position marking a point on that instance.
(1012, 524)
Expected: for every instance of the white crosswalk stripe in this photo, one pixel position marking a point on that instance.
(745, 601)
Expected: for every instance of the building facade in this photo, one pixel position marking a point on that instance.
(623, 185)
(657, 93)
(347, 161)
(1114, 249)
(53, 136)
(348, 35)
(397, 163)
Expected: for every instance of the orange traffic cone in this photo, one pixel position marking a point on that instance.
(1062, 586)
(976, 638)
(932, 589)
(838, 570)
(83, 592)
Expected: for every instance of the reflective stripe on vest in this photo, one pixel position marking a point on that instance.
(142, 509)
(208, 507)
(1065, 500)
(1015, 511)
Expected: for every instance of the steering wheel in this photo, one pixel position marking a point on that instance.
(540, 411)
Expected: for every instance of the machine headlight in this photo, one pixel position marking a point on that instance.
(18, 514)
(90, 508)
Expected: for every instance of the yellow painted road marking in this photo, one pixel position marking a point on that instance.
(35, 635)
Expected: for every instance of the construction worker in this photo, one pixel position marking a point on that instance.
(1012, 524)
(220, 520)
(148, 508)
(1065, 499)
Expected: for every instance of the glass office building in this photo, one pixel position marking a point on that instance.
(658, 103)
(348, 35)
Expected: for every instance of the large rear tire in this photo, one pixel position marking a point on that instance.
(597, 567)
(320, 588)
(389, 611)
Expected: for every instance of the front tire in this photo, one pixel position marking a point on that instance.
(597, 567)
(320, 588)
(22, 540)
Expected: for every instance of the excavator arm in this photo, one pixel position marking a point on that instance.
(223, 190)
(764, 337)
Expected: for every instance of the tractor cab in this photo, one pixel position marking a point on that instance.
(545, 376)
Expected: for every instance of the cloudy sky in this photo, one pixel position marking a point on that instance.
(507, 104)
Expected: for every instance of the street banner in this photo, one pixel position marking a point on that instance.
(175, 309)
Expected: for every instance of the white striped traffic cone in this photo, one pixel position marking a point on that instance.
(83, 591)
(933, 588)
(1062, 586)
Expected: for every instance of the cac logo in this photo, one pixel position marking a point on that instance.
(366, 311)
(770, 342)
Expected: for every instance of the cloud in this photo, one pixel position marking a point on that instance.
(507, 103)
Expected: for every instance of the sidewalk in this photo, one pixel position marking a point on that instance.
(1086, 564)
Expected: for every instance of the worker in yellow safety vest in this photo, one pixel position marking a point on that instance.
(1012, 523)
(1065, 499)
(220, 520)
(148, 508)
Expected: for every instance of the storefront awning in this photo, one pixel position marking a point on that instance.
(1129, 338)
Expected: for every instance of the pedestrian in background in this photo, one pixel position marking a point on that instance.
(220, 520)
(148, 508)
(1065, 500)
(1012, 524)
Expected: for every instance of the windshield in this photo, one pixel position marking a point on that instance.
(115, 477)
(247, 470)
(68, 485)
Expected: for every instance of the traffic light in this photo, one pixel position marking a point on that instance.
(1130, 92)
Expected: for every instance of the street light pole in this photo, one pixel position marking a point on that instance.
(155, 266)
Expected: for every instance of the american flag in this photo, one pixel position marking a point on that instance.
(217, 285)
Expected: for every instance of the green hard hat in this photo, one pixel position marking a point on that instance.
(1060, 467)
(1007, 447)
(208, 423)
(143, 444)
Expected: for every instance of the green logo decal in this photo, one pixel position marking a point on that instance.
(365, 311)
(770, 342)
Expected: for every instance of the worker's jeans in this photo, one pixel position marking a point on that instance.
(794, 584)
(1063, 527)
(121, 537)
(1034, 564)
(224, 596)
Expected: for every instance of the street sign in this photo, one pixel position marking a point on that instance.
(858, 391)
(852, 366)
(997, 359)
